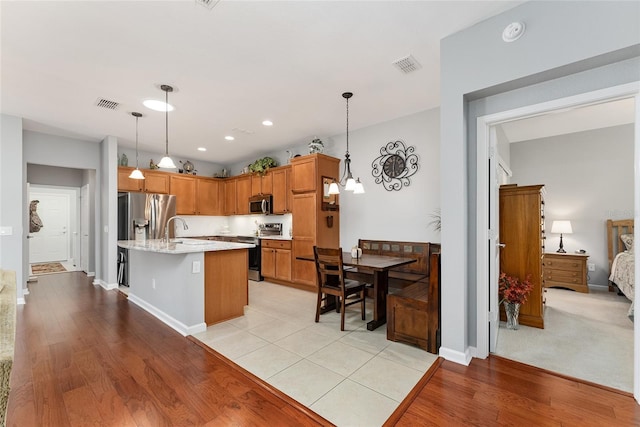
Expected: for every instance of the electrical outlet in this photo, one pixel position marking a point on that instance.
(195, 267)
(153, 283)
(592, 266)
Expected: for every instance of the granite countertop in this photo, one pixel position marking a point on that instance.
(181, 245)
(275, 237)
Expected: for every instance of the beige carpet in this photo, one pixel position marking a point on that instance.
(587, 336)
(47, 268)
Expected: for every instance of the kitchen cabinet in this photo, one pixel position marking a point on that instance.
(281, 179)
(230, 196)
(184, 188)
(312, 226)
(154, 182)
(209, 200)
(243, 193)
(522, 232)
(276, 259)
(261, 184)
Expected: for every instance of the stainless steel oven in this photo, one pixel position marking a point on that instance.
(254, 256)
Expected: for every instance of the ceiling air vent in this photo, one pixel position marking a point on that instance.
(209, 4)
(407, 64)
(109, 105)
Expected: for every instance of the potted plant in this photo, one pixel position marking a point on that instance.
(513, 293)
(261, 166)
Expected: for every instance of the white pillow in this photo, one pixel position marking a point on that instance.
(627, 239)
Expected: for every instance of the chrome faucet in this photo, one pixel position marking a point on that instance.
(166, 232)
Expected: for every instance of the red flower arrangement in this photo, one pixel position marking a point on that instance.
(513, 290)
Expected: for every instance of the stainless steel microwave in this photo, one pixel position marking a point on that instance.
(262, 204)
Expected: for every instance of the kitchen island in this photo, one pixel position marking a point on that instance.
(188, 283)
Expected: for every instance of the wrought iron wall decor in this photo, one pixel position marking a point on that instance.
(396, 164)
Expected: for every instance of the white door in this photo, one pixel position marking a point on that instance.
(84, 228)
(52, 241)
(494, 242)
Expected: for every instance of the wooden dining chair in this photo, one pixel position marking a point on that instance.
(331, 281)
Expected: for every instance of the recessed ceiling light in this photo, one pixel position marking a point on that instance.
(229, 138)
(267, 123)
(157, 105)
(202, 149)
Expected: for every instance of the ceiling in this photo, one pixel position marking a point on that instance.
(231, 67)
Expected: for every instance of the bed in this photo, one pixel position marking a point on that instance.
(621, 258)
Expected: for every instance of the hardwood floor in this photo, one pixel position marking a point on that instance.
(87, 356)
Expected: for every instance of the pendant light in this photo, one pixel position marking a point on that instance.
(351, 184)
(166, 162)
(136, 173)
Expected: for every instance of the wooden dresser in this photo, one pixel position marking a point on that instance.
(565, 271)
(522, 232)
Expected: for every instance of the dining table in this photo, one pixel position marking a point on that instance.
(373, 269)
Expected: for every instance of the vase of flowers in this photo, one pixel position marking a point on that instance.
(513, 293)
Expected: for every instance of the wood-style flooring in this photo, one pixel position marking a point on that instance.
(85, 356)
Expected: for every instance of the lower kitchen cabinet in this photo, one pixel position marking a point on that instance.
(276, 259)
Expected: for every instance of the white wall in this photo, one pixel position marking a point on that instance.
(392, 215)
(588, 177)
(564, 38)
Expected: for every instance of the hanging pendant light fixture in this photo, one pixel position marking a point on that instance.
(136, 173)
(347, 180)
(166, 162)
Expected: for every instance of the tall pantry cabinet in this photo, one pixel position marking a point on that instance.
(522, 232)
(311, 225)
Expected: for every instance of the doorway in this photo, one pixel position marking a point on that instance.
(486, 314)
(56, 239)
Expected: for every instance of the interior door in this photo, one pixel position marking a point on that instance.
(52, 241)
(84, 228)
(499, 174)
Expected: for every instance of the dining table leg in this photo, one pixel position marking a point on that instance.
(380, 289)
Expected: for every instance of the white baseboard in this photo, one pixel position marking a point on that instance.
(174, 324)
(105, 285)
(91, 274)
(21, 301)
(25, 291)
(456, 356)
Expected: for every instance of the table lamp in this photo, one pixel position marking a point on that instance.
(562, 227)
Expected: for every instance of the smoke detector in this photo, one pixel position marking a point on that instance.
(407, 64)
(513, 32)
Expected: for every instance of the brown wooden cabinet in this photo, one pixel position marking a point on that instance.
(311, 226)
(261, 184)
(230, 196)
(243, 193)
(276, 259)
(184, 188)
(281, 179)
(565, 271)
(210, 198)
(522, 232)
(154, 182)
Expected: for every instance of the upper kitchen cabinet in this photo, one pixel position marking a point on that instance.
(237, 192)
(184, 188)
(304, 173)
(210, 196)
(243, 193)
(281, 190)
(261, 184)
(154, 182)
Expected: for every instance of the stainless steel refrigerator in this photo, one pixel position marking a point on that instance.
(141, 216)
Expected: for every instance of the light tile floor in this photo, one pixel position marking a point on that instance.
(352, 378)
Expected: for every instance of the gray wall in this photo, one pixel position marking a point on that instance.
(203, 168)
(588, 177)
(562, 40)
(13, 199)
(51, 175)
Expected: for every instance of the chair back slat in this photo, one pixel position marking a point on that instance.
(329, 266)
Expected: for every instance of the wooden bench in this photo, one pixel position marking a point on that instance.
(413, 313)
(408, 274)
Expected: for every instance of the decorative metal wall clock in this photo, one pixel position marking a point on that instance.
(395, 165)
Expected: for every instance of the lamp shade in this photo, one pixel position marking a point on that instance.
(136, 174)
(561, 227)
